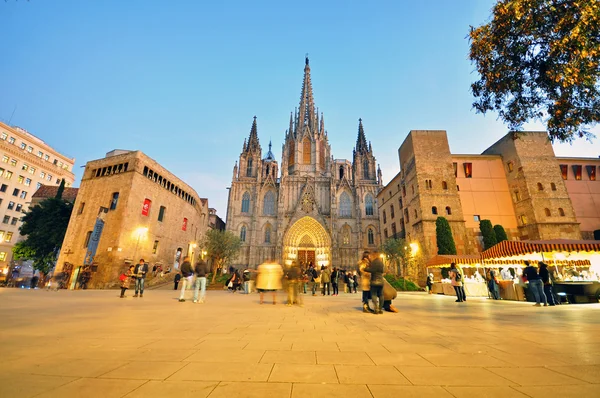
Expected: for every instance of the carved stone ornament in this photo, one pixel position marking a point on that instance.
(308, 201)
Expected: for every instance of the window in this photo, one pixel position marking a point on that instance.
(11, 140)
(81, 207)
(155, 247)
(434, 210)
(2, 235)
(428, 184)
(448, 210)
(46, 157)
(384, 217)
(403, 190)
(523, 219)
(412, 189)
(4, 137)
(8, 237)
(268, 234)
(3, 188)
(49, 177)
(31, 170)
(540, 187)
(38, 185)
(394, 229)
(16, 192)
(345, 205)
(369, 205)
(23, 145)
(269, 204)
(19, 207)
(292, 152)
(6, 219)
(468, 170)
(14, 221)
(24, 167)
(400, 203)
(591, 172)
(455, 166)
(511, 166)
(114, 201)
(561, 212)
(371, 236)
(517, 196)
(416, 214)
(341, 172)
(444, 185)
(11, 205)
(246, 203)
(392, 215)
(161, 213)
(406, 216)
(21, 179)
(366, 170)
(243, 233)
(88, 236)
(23, 195)
(249, 168)
(5, 159)
(553, 186)
(29, 149)
(547, 211)
(577, 171)
(42, 175)
(564, 171)
(385, 233)
(13, 162)
(457, 188)
(476, 218)
(27, 182)
(306, 151)
(2, 256)
(40, 154)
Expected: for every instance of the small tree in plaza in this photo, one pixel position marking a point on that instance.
(395, 253)
(489, 235)
(221, 247)
(500, 233)
(445, 240)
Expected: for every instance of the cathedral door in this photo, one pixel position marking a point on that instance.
(306, 256)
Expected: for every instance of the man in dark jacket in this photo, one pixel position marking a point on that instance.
(535, 284)
(187, 273)
(375, 268)
(140, 272)
(201, 271)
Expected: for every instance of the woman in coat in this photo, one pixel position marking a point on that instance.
(456, 278)
(126, 280)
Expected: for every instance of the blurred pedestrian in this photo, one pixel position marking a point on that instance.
(294, 276)
(389, 294)
(201, 271)
(176, 281)
(334, 281)
(493, 285)
(430, 284)
(365, 282)
(325, 279)
(269, 280)
(456, 278)
(375, 268)
(187, 273)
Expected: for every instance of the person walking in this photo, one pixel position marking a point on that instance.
(430, 284)
(493, 285)
(269, 280)
(545, 277)
(293, 276)
(354, 281)
(201, 271)
(140, 271)
(375, 268)
(334, 281)
(125, 279)
(326, 279)
(456, 278)
(176, 281)
(187, 273)
(246, 278)
(365, 283)
(313, 275)
(535, 284)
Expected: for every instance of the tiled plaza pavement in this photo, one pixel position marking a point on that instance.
(93, 344)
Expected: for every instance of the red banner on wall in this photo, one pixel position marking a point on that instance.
(184, 226)
(146, 207)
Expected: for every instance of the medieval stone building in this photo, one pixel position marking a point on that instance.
(314, 208)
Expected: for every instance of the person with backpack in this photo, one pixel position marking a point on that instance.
(125, 279)
(312, 275)
(456, 278)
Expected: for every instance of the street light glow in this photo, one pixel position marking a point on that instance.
(414, 248)
(141, 231)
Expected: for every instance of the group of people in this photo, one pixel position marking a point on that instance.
(539, 283)
(136, 273)
(188, 272)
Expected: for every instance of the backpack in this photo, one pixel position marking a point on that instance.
(458, 276)
(314, 274)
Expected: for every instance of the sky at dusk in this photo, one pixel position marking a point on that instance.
(181, 80)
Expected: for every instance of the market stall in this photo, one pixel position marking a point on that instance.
(470, 265)
(574, 264)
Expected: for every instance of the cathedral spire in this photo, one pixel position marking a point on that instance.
(291, 128)
(307, 104)
(361, 140)
(253, 139)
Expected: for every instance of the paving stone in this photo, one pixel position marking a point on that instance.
(215, 355)
(590, 373)
(581, 391)
(398, 359)
(452, 376)
(92, 388)
(179, 389)
(456, 359)
(15, 385)
(297, 373)
(223, 372)
(387, 391)
(485, 392)
(330, 391)
(145, 370)
(535, 376)
(290, 357)
(343, 358)
(252, 390)
(353, 374)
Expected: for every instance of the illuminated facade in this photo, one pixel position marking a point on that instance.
(129, 207)
(316, 208)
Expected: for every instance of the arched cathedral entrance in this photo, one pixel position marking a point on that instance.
(307, 241)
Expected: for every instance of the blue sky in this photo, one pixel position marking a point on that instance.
(181, 80)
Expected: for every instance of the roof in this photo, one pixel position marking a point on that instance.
(444, 260)
(509, 248)
(50, 191)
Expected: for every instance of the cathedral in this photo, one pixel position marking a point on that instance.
(312, 208)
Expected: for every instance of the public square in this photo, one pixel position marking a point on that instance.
(93, 344)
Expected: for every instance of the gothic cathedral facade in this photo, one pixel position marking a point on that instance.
(314, 208)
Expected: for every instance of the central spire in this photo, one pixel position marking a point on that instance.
(361, 140)
(307, 116)
(253, 144)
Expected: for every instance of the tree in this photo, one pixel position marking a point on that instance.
(489, 235)
(540, 60)
(443, 234)
(395, 250)
(44, 227)
(500, 233)
(221, 247)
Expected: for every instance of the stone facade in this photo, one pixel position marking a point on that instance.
(518, 183)
(316, 208)
(27, 163)
(146, 212)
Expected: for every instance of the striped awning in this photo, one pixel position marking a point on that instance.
(444, 260)
(565, 245)
(510, 248)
